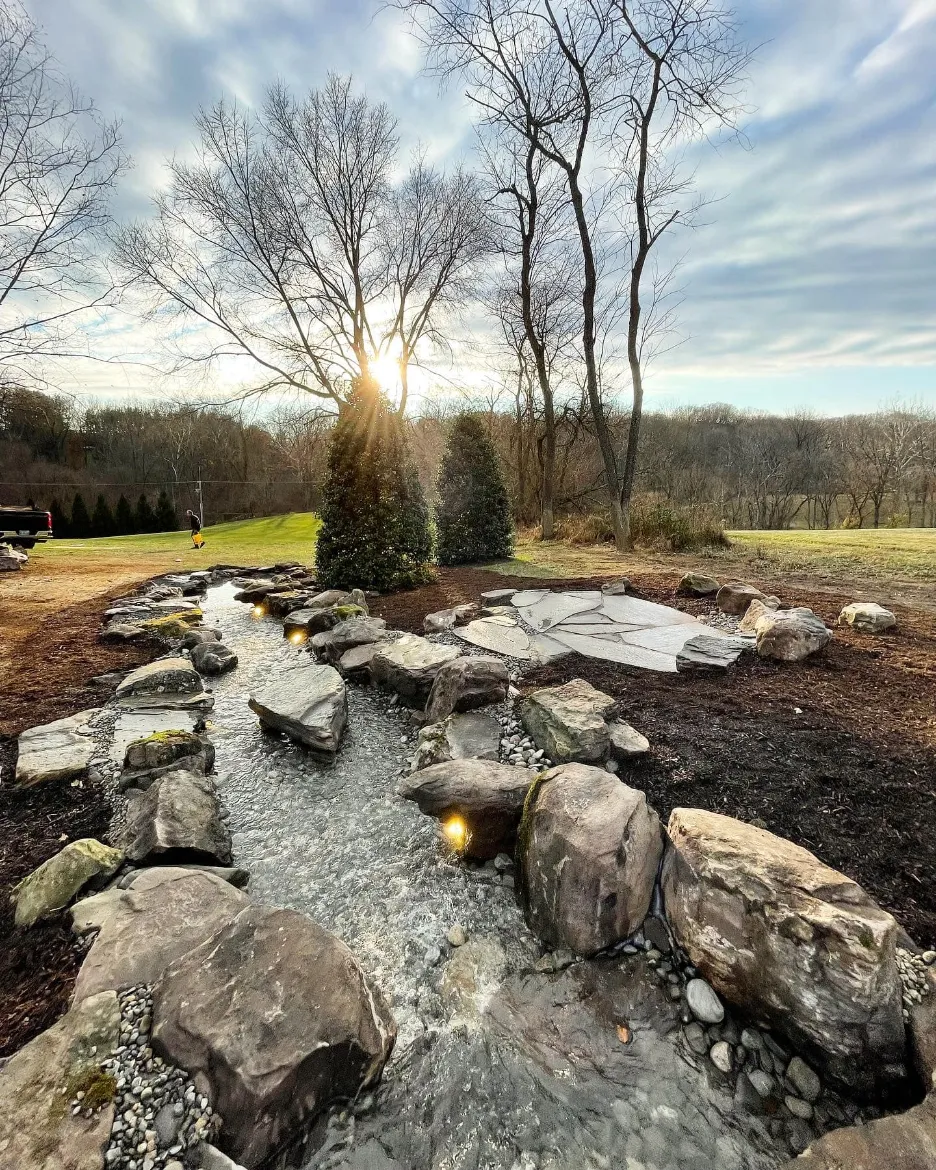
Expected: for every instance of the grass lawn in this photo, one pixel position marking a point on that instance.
(886, 552)
(246, 542)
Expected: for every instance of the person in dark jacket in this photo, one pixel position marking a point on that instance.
(195, 524)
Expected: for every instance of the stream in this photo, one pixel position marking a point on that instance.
(497, 1066)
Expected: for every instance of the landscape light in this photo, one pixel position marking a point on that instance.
(296, 637)
(258, 611)
(456, 832)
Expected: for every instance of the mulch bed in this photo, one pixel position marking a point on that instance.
(837, 753)
(50, 680)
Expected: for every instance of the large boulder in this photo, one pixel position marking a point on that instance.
(255, 592)
(735, 596)
(798, 946)
(173, 625)
(868, 617)
(330, 597)
(274, 1020)
(790, 634)
(710, 652)
(468, 735)
(165, 751)
(697, 585)
(410, 664)
(356, 664)
(903, 1141)
(53, 885)
(471, 681)
(200, 636)
(213, 658)
(485, 796)
(178, 817)
(281, 604)
(55, 751)
(306, 701)
(590, 849)
(38, 1130)
(756, 610)
(303, 623)
(174, 676)
(446, 619)
(166, 913)
(569, 722)
(348, 634)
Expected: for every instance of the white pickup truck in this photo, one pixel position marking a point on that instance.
(24, 526)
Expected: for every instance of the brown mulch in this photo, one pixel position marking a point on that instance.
(837, 753)
(48, 679)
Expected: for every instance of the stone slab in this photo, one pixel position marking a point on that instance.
(134, 725)
(55, 751)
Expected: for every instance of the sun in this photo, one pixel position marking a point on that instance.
(386, 368)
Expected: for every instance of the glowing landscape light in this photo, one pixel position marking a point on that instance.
(258, 611)
(296, 637)
(456, 832)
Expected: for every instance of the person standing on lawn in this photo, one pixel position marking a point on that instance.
(195, 524)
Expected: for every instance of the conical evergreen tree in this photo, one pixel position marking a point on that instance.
(60, 526)
(145, 520)
(102, 520)
(473, 515)
(80, 520)
(373, 534)
(124, 520)
(165, 518)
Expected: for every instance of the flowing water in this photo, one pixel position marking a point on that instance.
(497, 1067)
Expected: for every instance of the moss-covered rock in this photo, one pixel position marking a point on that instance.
(173, 625)
(53, 885)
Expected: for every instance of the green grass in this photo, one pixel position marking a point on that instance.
(246, 542)
(881, 552)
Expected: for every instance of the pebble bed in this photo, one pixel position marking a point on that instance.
(160, 1118)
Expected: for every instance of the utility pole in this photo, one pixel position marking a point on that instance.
(201, 506)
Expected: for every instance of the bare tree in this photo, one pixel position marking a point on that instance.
(59, 161)
(605, 91)
(290, 244)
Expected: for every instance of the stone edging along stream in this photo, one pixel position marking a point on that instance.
(164, 1066)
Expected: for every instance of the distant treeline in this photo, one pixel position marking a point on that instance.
(135, 468)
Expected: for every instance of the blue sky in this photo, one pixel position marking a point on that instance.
(811, 282)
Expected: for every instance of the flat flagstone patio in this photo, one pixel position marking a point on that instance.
(617, 628)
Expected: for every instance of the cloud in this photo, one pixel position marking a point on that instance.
(817, 253)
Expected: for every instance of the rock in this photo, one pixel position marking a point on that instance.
(349, 634)
(475, 969)
(734, 597)
(465, 683)
(213, 1159)
(497, 596)
(487, 796)
(568, 722)
(55, 751)
(905, 1141)
(923, 1032)
(254, 593)
(616, 588)
(11, 559)
(175, 676)
(305, 622)
(763, 1083)
(173, 625)
(38, 1130)
(165, 751)
(803, 1079)
(445, 619)
(409, 665)
(456, 936)
(121, 632)
(308, 702)
(281, 604)
(330, 597)
(790, 634)
(165, 914)
(800, 947)
(177, 817)
(757, 609)
(626, 743)
(274, 1020)
(707, 652)
(471, 735)
(868, 617)
(589, 850)
(703, 1002)
(801, 1109)
(721, 1056)
(356, 664)
(53, 885)
(697, 585)
(200, 637)
(213, 658)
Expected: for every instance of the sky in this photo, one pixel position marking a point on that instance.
(810, 283)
